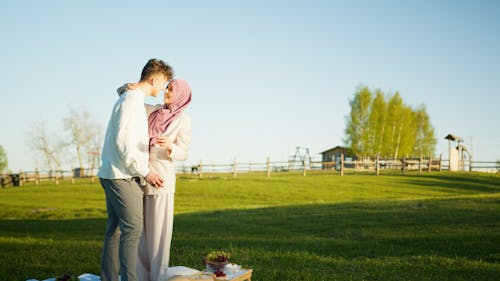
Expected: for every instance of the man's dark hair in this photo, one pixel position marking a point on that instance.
(155, 66)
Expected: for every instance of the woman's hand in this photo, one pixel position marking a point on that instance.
(166, 143)
(126, 87)
(132, 86)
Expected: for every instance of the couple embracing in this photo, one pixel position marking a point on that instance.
(138, 174)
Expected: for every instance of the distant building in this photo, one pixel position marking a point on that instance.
(334, 154)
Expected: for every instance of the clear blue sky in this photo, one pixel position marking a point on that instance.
(267, 76)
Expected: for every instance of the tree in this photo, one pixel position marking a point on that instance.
(3, 159)
(425, 140)
(46, 145)
(405, 139)
(83, 133)
(388, 128)
(394, 110)
(377, 123)
(357, 134)
(93, 147)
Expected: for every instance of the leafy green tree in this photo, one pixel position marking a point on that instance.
(357, 134)
(387, 127)
(425, 140)
(405, 139)
(394, 111)
(377, 122)
(3, 159)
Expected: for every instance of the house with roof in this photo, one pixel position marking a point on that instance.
(334, 155)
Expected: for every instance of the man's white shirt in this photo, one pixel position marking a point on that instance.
(125, 153)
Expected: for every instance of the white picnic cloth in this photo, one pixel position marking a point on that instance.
(172, 271)
(178, 271)
(83, 277)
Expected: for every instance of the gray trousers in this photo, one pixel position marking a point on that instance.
(124, 205)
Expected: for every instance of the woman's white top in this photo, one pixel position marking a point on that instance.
(160, 161)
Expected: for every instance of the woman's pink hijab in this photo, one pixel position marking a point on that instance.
(160, 119)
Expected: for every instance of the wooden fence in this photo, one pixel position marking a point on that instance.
(37, 176)
(341, 166)
(268, 167)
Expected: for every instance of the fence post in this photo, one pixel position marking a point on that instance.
(342, 164)
(234, 168)
(200, 172)
(420, 164)
(377, 165)
(37, 176)
(20, 178)
(50, 175)
(470, 163)
(430, 163)
(403, 166)
(304, 168)
(57, 178)
(268, 167)
(440, 161)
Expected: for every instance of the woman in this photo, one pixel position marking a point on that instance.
(169, 132)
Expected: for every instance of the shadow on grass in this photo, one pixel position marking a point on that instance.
(464, 182)
(371, 241)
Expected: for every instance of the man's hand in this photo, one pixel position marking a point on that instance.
(154, 179)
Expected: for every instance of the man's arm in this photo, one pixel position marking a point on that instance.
(129, 140)
(134, 149)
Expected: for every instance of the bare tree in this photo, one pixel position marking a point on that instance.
(84, 134)
(93, 147)
(50, 149)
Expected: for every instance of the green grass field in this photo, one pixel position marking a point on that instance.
(321, 227)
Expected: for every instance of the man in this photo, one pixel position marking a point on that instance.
(125, 158)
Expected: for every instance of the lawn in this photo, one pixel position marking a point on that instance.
(438, 226)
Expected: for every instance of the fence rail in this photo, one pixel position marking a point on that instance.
(37, 176)
(340, 167)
